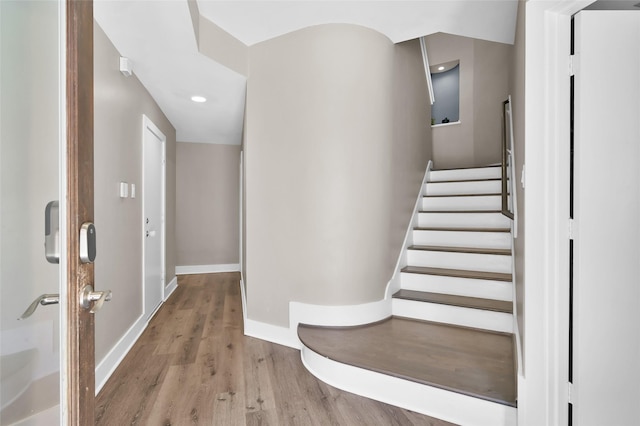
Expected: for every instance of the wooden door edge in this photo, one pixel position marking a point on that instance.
(80, 361)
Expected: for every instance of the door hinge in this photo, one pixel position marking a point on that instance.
(572, 229)
(573, 65)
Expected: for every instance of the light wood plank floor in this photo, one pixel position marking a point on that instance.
(193, 366)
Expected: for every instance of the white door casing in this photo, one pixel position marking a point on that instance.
(153, 215)
(606, 342)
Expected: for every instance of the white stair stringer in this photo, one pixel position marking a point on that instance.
(469, 287)
(462, 238)
(466, 261)
(428, 400)
(493, 172)
(456, 315)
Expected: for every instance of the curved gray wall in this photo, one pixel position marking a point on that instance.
(337, 140)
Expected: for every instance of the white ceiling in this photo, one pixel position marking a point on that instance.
(158, 36)
(159, 39)
(254, 21)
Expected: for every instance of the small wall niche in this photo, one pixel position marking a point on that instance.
(446, 90)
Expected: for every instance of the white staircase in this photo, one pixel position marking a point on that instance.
(459, 266)
(448, 350)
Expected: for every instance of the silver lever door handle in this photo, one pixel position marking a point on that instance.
(43, 299)
(88, 296)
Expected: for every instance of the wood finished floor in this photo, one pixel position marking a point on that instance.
(193, 366)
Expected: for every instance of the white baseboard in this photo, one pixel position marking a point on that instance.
(243, 297)
(207, 269)
(428, 400)
(347, 315)
(168, 290)
(272, 333)
(337, 316)
(110, 362)
(314, 315)
(264, 331)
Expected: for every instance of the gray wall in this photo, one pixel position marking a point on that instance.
(336, 142)
(119, 105)
(207, 209)
(484, 84)
(516, 83)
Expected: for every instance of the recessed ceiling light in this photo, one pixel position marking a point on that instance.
(440, 68)
(199, 99)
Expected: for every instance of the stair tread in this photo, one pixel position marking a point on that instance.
(453, 300)
(473, 362)
(460, 211)
(458, 273)
(467, 168)
(465, 180)
(488, 194)
(474, 250)
(450, 229)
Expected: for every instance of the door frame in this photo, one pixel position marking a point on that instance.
(543, 389)
(78, 378)
(148, 125)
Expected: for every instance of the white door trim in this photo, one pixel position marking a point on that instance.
(147, 124)
(543, 388)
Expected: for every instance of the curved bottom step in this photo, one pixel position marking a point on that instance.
(458, 374)
(428, 400)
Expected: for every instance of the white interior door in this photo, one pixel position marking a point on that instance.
(606, 363)
(32, 142)
(153, 215)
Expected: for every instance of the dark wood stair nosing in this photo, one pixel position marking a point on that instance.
(469, 250)
(465, 180)
(460, 211)
(467, 168)
(454, 229)
(484, 194)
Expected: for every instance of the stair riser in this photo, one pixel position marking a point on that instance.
(468, 317)
(454, 188)
(463, 220)
(464, 174)
(489, 202)
(487, 289)
(500, 240)
(465, 261)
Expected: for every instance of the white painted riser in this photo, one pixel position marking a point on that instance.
(454, 188)
(487, 289)
(463, 220)
(499, 240)
(468, 317)
(465, 261)
(485, 202)
(465, 174)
